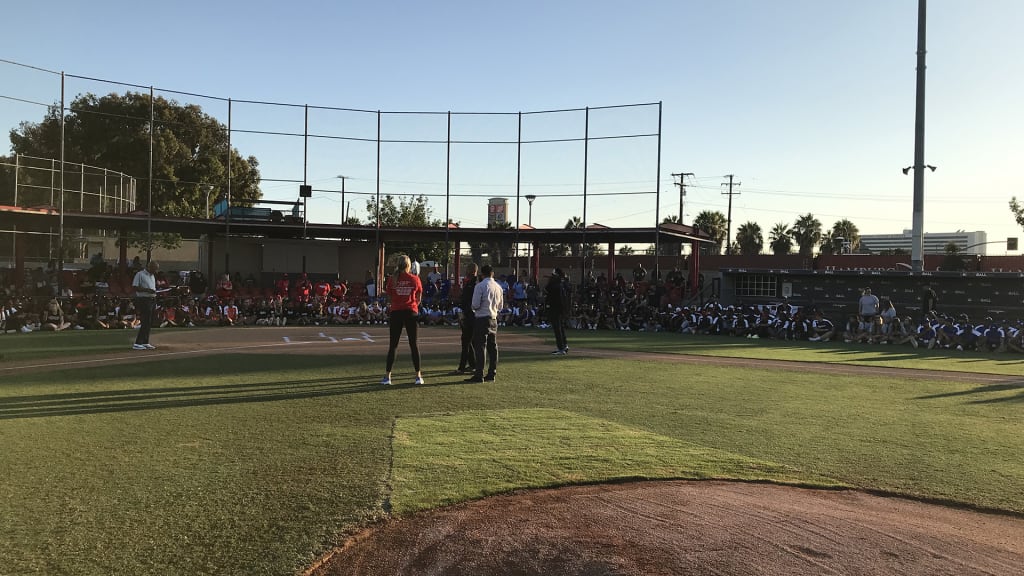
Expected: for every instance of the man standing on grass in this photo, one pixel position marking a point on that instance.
(467, 359)
(555, 297)
(488, 300)
(144, 285)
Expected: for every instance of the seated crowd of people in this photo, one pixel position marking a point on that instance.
(597, 303)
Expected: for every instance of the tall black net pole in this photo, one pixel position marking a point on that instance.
(657, 204)
(586, 157)
(149, 209)
(60, 227)
(227, 211)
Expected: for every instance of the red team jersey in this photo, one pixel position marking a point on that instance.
(406, 292)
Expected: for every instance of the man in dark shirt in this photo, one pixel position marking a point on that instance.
(467, 359)
(929, 301)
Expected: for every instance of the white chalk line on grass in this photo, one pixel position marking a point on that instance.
(155, 355)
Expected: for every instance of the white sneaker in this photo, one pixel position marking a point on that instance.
(139, 347)
(26, 329)
(418, 381)
(385, 381)
(149, 347)
(814, 339)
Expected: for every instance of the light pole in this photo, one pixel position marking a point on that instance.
(208, 190)
(343, 178)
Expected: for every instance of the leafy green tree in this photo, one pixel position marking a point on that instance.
(714, 224)
(409, 212)
(749, 239)
(807, 234)
(190, 149)
(626, 250)
(1017, 210)
(781, 239)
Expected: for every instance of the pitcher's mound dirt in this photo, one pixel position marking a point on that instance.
(673, 528)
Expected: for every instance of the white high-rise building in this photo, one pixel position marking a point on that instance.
(934, 243)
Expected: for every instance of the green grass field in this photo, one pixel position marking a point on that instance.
(257, 463)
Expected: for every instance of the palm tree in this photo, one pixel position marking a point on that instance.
(749, 238)
(807, 233)
(831, 243)
(848, 232)
(714, 224)
(780, 239)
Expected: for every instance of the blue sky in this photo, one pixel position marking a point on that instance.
(809, 103)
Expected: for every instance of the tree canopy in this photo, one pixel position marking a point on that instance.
(1018, 211)
(190, 149)
(411, 212)
(781, 239)
(715, 224)
(807, 233)
(848, 232)
(749, 238)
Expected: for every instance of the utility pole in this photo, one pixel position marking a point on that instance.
(728, 218)
(682, 191)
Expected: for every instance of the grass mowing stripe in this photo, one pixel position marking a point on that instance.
(447, 458)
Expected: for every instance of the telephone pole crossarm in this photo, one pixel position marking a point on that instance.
(682, 190)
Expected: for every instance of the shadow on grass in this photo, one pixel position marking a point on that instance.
(989, 389)
(111, 401)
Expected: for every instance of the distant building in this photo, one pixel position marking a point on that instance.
(497, 212)
(935, 243)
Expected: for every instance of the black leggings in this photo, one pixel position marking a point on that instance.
(403, 319)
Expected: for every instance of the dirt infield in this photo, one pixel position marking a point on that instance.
(670, 528)
(644, 528)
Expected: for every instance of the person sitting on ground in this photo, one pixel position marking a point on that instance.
(763, 324)
(926, 332)
(888, 315)
(1014, 336)
(948, 335)
(53, 317)
(12, 319)
(822, 329)
(904, 331)
(994, 337)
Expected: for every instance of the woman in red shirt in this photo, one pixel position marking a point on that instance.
(405, 291)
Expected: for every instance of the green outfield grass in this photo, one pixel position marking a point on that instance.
(256, 464)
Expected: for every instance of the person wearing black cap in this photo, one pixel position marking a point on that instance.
(557, 301)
